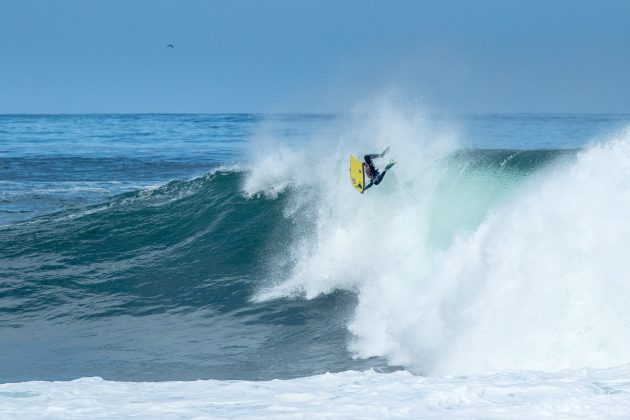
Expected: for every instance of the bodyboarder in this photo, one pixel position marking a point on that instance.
(370, 170)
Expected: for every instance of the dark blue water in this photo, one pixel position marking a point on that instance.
(129, 251)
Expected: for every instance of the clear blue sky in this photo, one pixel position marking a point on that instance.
(84, 56)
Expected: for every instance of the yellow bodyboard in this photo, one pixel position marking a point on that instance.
(357, 177)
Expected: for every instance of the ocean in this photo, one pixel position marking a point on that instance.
(222, 265)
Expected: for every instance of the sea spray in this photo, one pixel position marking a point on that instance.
(531, 277)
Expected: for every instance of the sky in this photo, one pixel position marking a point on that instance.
(111, 56)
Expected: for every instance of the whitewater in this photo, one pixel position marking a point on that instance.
(485, 281)
(583, 393)
(540, 269)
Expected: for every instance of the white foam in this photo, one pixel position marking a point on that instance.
(537, 284)
(368, 395)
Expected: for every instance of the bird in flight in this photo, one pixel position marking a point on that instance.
(170, 46)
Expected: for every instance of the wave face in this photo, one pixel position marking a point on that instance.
(156, 284)
(461, 260)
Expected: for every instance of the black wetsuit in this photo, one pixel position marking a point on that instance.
(377, 176)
